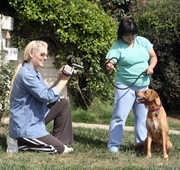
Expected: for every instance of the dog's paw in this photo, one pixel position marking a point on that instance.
(165, 157)
(148, 156)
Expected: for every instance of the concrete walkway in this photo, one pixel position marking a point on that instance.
(93, 126)
(126, 128)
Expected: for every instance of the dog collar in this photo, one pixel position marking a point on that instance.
(154, 110)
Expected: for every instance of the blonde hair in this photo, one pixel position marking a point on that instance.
(32, 46)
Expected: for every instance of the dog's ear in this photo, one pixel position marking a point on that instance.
(153, 96)
(158, 101)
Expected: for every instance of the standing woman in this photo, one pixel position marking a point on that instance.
(135, 55)
(30, 111)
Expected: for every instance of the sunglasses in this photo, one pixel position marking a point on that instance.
(133, 36)
(43, 55)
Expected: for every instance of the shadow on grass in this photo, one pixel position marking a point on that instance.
(3, 141)
(129, 148)
(97, 139)
(90, 141)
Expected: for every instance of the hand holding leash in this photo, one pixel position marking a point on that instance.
(149, 70)
(110, 65)
(109, 68)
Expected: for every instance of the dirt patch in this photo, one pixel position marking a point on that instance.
(6, 121)
(3, 129)
(175, 120)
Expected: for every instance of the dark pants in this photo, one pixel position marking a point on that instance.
(60, 112)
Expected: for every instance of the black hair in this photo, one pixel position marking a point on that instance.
(125, 27)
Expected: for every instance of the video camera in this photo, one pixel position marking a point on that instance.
(75, 66)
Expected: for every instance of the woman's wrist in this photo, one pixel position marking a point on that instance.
(61, 84)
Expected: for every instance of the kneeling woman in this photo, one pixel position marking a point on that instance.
(30, 111)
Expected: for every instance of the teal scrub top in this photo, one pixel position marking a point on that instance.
(132, 61)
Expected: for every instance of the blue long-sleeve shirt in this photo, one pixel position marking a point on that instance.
(28, 104)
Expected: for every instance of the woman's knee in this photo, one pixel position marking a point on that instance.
(65, 102)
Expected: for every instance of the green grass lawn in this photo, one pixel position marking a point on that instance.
(90, 152)
(101, 113)
(90, 148)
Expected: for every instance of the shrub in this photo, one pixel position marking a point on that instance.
(6, 74)
(117, 9)
(77, 31)
(159, 22)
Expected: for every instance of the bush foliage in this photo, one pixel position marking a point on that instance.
(77, 31)
(6, 74)
(159, 21)
(115, 8)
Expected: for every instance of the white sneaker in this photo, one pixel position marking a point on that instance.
(67, 150)
(114, 149)
(12, 145)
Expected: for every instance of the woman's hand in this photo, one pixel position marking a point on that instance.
(110, 65)
(149, 70)
(63, 79)
(68, 69)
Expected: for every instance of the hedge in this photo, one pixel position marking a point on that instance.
(159, 21)
(77, 32)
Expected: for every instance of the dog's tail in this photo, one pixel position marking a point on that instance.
(139, 145)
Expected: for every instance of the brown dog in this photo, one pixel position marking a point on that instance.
(156, 123)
